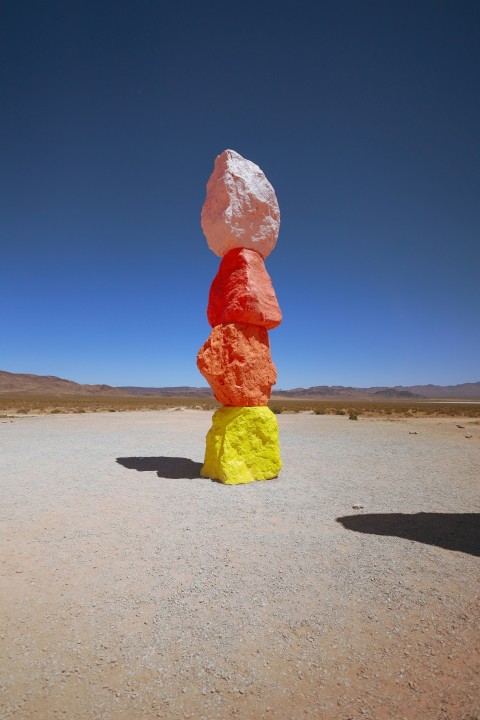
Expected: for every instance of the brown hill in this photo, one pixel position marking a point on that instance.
(467, 391)
(396, 394)
(50, 385)
(329, 392)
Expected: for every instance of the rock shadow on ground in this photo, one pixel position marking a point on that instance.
(172, 468)
(452, 531)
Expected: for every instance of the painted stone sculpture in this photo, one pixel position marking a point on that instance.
(242, 292)
(236, 363)
(242, 445)
(240, 209)
(241, 219)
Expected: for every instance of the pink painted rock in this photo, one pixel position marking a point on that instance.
(242, 292)
(241, 209)
(237, 364)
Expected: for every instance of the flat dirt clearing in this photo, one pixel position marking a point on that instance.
(136, 589)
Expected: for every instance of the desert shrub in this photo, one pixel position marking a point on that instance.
(319, 411)
(277, 410)
(55, 411)
(352, 415)
(340, 412)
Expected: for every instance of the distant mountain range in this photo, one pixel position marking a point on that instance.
(51, 385)
(180, 391)
(465, 391)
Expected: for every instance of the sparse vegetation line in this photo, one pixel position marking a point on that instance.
(24, 404)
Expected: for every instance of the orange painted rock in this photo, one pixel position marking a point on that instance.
(237, 364)
(242, 292)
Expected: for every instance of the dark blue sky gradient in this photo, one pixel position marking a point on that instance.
(365, 117)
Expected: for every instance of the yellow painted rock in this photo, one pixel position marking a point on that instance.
(242, 446)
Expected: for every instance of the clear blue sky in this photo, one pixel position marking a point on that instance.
(365, 117)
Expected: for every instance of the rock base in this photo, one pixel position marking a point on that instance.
(242, 446)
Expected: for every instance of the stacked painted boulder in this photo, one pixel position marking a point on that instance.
(241, 219)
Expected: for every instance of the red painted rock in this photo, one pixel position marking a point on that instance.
(242, 292)
(237, 364)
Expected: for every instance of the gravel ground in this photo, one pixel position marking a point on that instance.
(136, 589)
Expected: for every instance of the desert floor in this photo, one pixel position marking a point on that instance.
(133, 588)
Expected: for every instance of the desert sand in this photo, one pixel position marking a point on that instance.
(133, 588)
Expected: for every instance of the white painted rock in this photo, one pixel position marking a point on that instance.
(241, 209)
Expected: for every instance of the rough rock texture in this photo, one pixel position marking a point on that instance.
(237, 364)
(242, 446)
(242, 292)
(241, 209)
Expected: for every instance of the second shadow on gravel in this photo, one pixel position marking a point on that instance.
(452, 531)
(173, 468)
